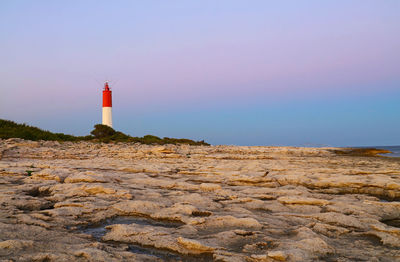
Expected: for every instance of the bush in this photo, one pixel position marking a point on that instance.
(10, 129)
(102, 131)
(149, 139)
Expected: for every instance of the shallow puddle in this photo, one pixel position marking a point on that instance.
(100, 230)
(166, 255)
(97, 231)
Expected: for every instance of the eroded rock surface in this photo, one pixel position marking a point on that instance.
(130, 202)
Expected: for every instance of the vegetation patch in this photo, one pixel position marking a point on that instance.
(100, 133)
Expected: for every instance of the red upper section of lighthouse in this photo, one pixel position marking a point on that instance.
(107, 102)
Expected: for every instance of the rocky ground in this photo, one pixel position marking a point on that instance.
(130, 202)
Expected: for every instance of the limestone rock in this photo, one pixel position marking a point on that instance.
(130, 202)
(51, 174)
(15, 244)
(302, 201)
(88, 177)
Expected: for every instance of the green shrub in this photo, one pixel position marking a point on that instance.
(100, 133)
(10, 129)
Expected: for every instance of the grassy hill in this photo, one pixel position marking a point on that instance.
(10, 129)
(101, 133)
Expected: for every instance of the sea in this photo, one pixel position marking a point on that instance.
(394, 149)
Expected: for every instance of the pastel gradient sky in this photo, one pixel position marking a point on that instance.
(243, 72)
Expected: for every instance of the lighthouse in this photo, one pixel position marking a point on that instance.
(107, 106)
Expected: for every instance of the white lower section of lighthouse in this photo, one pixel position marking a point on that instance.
(107, 116)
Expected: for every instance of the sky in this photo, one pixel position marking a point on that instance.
(297, 73)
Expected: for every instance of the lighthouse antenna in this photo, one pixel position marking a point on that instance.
(106, 86)
(111, 81)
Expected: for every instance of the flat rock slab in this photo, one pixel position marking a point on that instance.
(130, 202)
